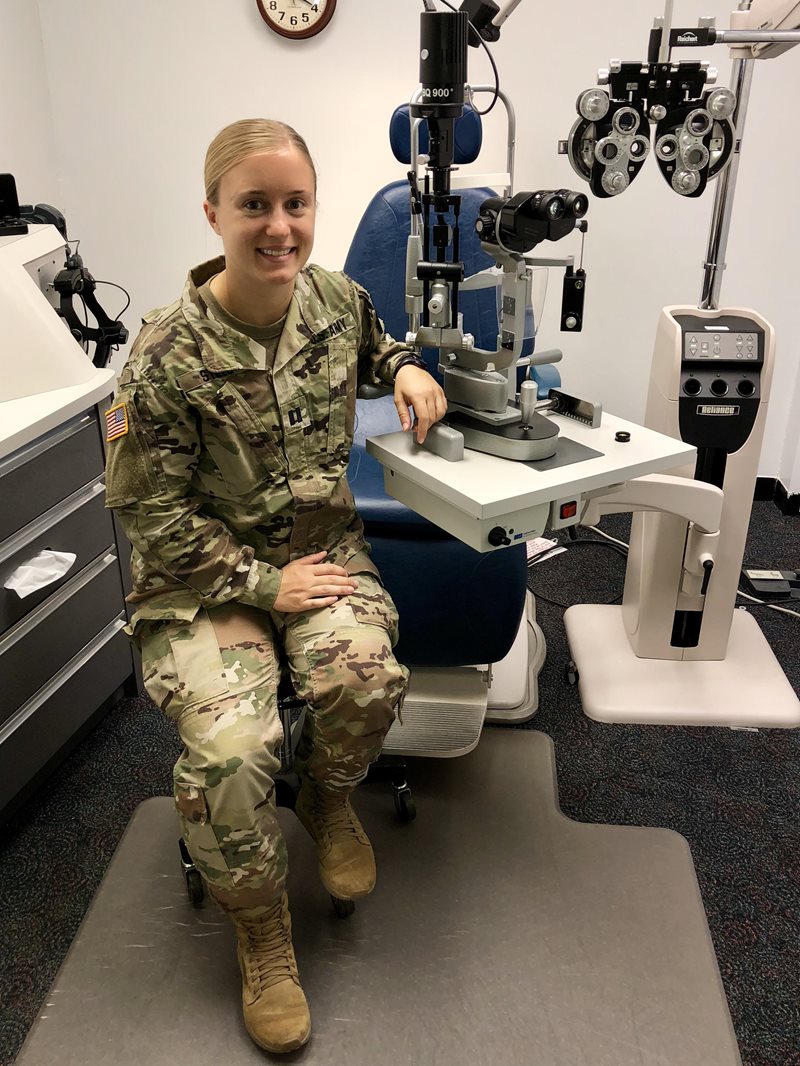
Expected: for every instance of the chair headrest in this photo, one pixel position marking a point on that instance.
(467, 134)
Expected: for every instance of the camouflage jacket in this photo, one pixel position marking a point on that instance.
(222, 469)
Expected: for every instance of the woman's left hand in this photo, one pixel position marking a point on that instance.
(414, 387)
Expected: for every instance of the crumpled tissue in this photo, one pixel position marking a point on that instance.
(42, 570)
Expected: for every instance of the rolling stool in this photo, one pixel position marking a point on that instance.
(287, 785)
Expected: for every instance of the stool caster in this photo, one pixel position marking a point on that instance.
(195, 889)
(287, 787)
(389, 768)
(404, 803)
(343, 908)
(571, 675)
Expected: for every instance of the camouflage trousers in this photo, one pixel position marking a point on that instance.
(217, 678)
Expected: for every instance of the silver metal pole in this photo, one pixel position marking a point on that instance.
(511, 120)
(726, 186)
(742, 74)
(740, 37)
(663, 52)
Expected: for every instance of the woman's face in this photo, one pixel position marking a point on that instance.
(265, 216)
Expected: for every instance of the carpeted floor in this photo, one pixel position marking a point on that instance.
(734, 796)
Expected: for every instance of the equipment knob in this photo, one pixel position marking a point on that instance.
(593, 105)
(685, 181)
(721, 103)
(527, 401)
(614, 182)
(436, 304)
(497, 537)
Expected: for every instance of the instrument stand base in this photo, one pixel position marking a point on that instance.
(746, 689)
(514, 691)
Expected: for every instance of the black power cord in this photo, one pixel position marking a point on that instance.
(575, 542)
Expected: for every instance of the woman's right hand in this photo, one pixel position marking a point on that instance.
(308, 583)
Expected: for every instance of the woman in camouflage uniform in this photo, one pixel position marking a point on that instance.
(227, 458)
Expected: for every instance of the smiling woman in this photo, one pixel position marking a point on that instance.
(230, 479)
(265, 214)
(297, 18)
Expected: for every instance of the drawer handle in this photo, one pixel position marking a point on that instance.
(39, 526)
(39, 571)
(61, 678)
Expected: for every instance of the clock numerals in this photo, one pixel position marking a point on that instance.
(296, 18)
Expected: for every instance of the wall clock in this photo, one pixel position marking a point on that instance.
(297, 18)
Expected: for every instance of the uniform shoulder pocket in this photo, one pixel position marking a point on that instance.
(132, 471)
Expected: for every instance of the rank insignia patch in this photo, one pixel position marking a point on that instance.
(116, 422)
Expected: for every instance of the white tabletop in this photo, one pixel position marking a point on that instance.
(486, 486)
(27, 418)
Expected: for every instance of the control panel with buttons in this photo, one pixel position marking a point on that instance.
(706, 345)
(721, 361)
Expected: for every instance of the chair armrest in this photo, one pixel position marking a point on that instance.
(374, 392)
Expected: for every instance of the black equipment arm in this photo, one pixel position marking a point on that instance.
(75, 280)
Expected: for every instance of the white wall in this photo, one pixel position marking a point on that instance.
(157, 80)
(27, 149)
(790, 466)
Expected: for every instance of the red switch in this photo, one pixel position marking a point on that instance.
(568, 510)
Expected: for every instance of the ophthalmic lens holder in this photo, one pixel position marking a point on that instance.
(692, 136)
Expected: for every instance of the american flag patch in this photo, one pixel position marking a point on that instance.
(116, 422)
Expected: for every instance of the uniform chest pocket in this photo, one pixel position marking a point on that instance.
(245, 452)
(342, 381)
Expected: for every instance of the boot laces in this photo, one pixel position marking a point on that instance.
(269, 956)
(336, 816)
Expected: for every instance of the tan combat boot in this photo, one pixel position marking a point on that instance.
(346, 859)
(275, 1010)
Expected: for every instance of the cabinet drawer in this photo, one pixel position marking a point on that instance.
(80, 525)
(40, 645)
(41, 728)
(38, 476)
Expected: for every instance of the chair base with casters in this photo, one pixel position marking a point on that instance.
(287, 786)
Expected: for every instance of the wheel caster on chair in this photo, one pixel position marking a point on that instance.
(571, 675)
(404, 804)
(343, 908)
(195, 889)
